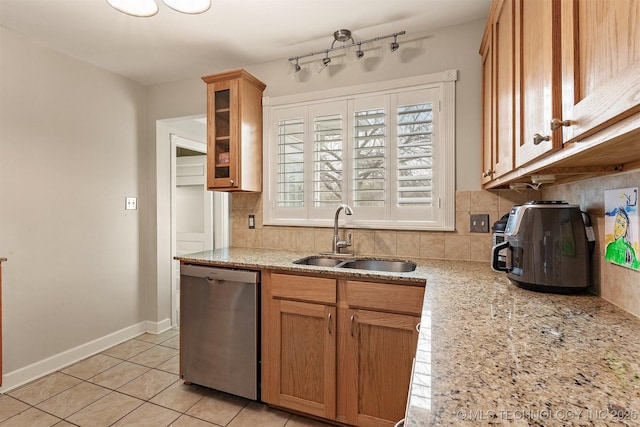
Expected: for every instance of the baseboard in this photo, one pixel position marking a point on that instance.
(14, 379)
(158, 327)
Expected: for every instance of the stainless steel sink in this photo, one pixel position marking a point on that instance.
(380, 265)
(394, 266)
(319, 261)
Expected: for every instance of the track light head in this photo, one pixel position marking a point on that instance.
(394, 44)
(297, 68)
(326, 61)
(359, 53)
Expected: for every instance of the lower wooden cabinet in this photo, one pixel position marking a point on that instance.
(340, 350)
(379, 355)
(299, 343)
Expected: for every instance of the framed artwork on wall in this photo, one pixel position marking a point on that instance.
(622, 227)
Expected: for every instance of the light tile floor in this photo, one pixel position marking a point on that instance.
(135, 383)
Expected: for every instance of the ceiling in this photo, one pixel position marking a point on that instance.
(232, 34)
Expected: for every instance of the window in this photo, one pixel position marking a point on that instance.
(387, 150)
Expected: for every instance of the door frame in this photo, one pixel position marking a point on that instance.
(165, 212)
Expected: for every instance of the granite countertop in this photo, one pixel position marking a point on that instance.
(490, 353)
(283, 261)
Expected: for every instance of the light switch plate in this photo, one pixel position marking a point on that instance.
(131, 203)
(479, 223)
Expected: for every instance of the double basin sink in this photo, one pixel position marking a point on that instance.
(395, 266)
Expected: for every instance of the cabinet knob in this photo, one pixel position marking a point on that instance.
(487, 173)
(537, 138)
(557, 123)
(232, 182)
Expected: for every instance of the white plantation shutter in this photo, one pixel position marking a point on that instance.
(388, 150)
(290, 177)
(327, 161)
(415, 128)
(369, 145)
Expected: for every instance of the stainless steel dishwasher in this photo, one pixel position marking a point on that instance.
(219, 328)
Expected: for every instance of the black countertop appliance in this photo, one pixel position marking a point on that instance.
(547, 248)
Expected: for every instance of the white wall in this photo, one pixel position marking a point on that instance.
(70, 152)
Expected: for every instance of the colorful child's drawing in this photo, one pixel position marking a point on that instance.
(621, 227)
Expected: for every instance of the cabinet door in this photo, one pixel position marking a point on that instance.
(222, 134)
(498, 94)
(504, 33)
(379, 353)
(537, 78)
(299, 357)
(487, 111)
(600, 63)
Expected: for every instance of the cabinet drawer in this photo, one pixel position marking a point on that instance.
(303, 288)
(385, 297)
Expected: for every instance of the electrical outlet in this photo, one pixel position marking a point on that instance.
(252, 221)
(479, 223)
(131, 203)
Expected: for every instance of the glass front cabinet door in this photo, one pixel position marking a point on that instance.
(234, 131)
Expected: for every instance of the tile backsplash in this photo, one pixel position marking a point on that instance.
(616, 284)
(619, 285)
(460, 244)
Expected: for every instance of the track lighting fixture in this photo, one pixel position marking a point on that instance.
(343, 36)
(146, 8)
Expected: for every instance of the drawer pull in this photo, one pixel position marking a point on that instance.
(351, 324)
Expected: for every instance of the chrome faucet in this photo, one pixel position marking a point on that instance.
(337, 243)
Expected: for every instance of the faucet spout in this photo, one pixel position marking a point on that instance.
(337, 243)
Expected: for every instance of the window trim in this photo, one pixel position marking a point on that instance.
(445, 81)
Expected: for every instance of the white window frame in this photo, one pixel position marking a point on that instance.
(443, 215)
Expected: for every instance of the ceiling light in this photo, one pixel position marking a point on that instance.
(141, 8)
(145, 8)
(344, 36)
(189, 6)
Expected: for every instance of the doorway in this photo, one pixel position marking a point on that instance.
(199, 219)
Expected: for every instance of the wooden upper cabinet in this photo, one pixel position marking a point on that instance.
(600, 64)
(487, 111)
(571, 71)
(498, 76)
(504, 82)
(234, 131)
(538, 78)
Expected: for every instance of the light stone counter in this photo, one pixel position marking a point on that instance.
(490, 353)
